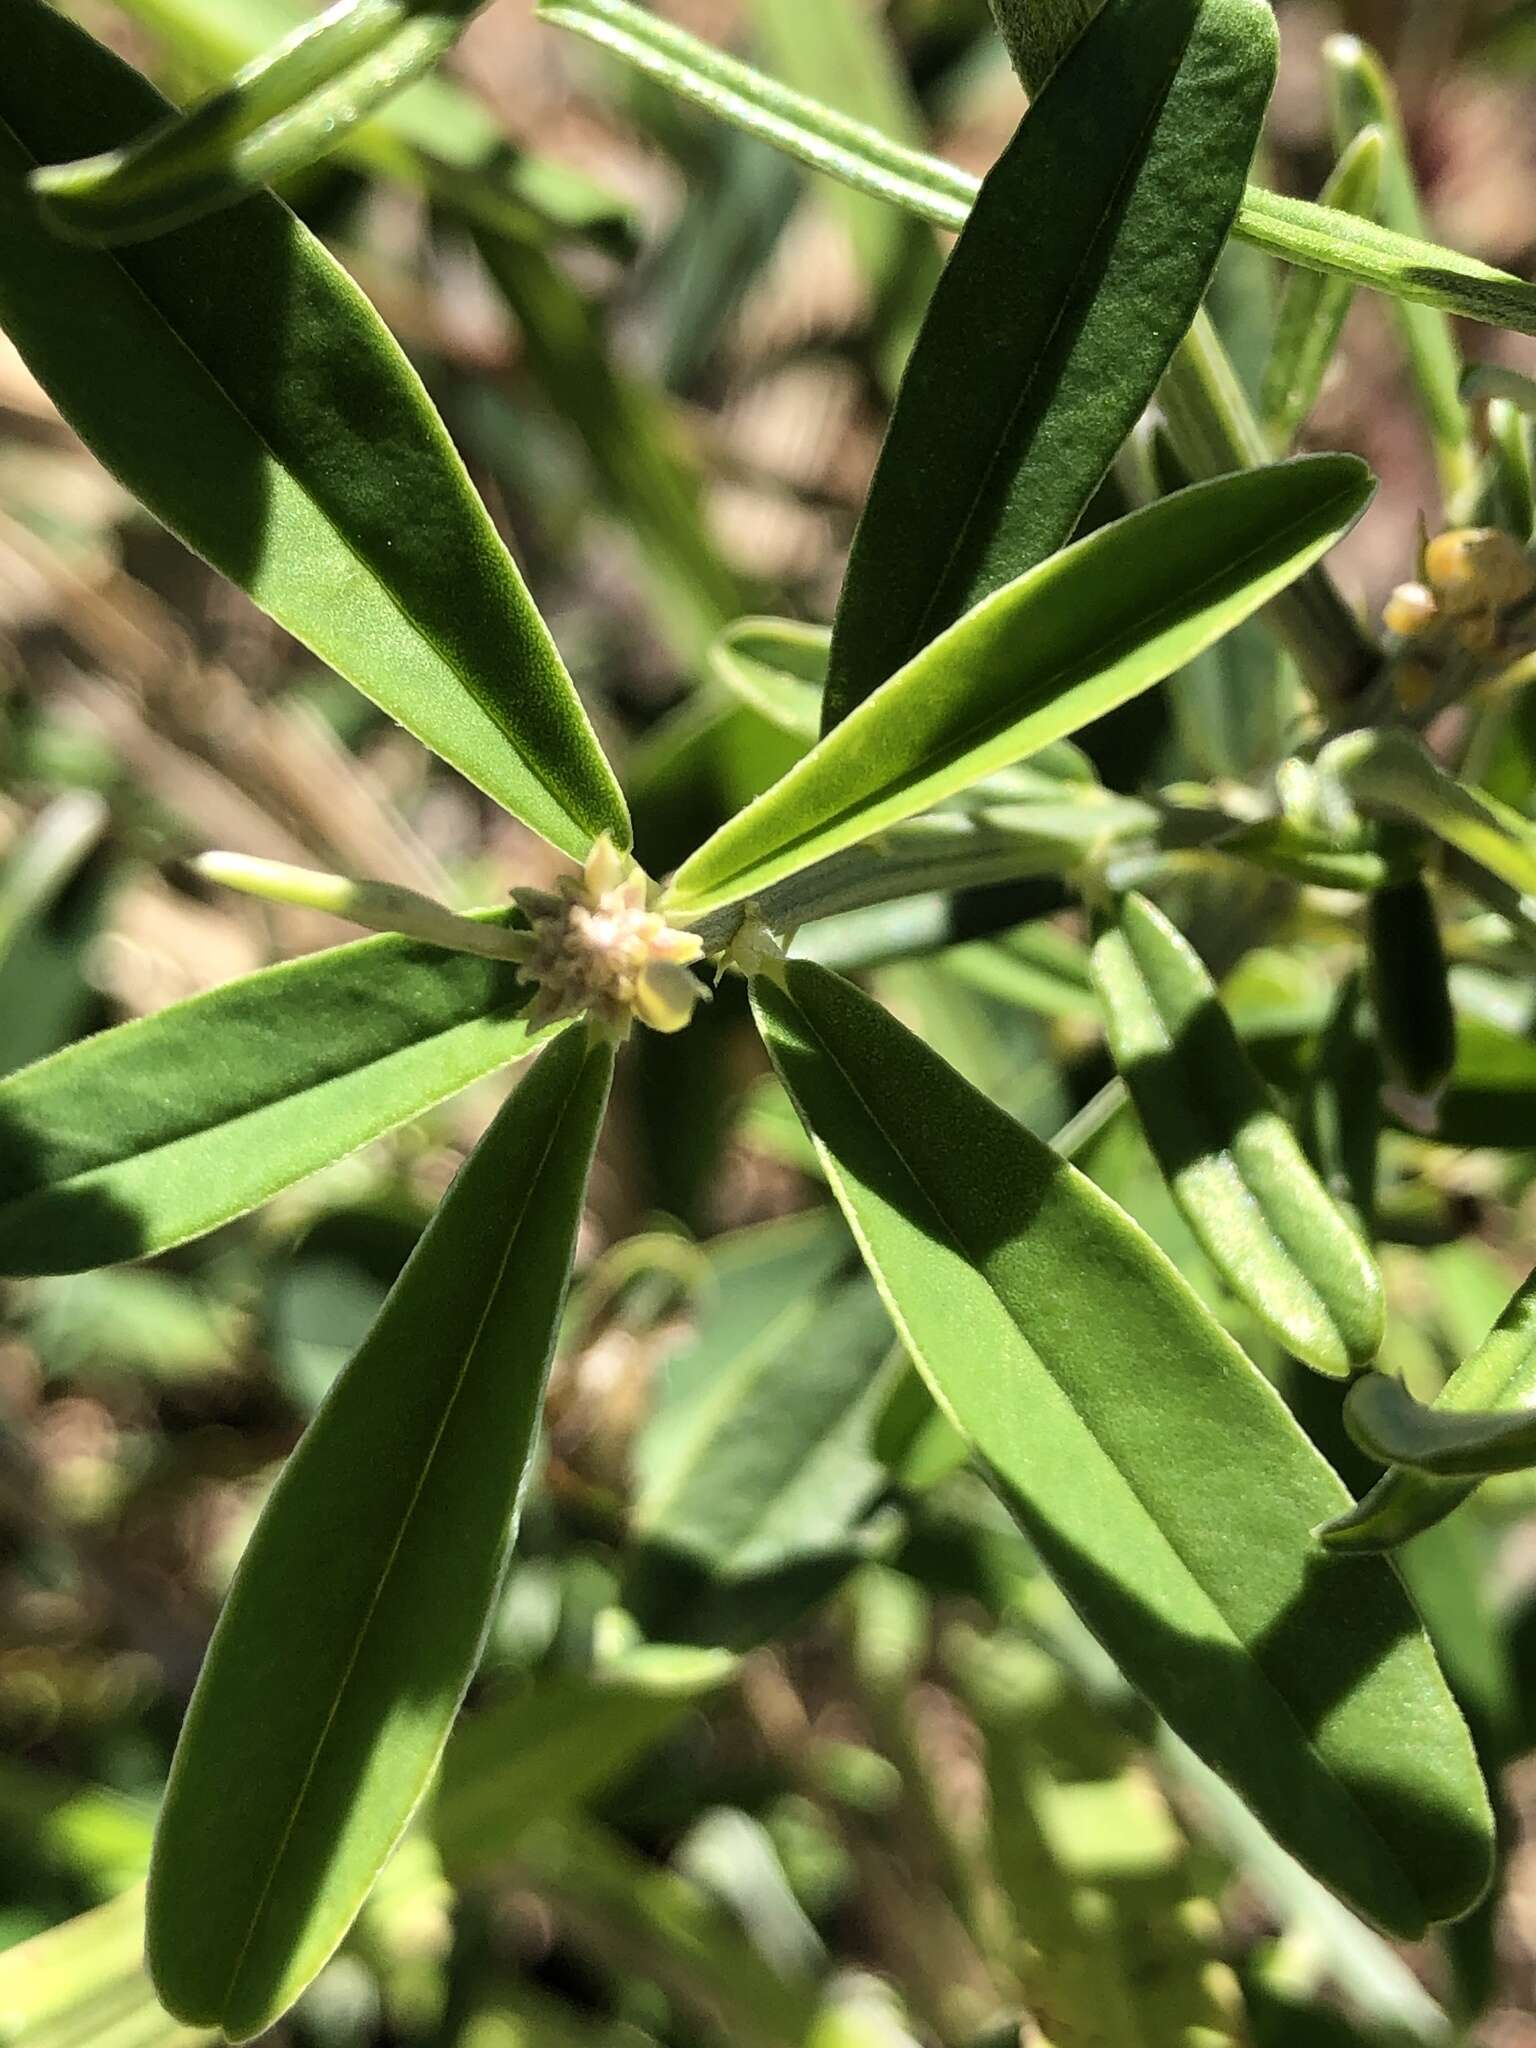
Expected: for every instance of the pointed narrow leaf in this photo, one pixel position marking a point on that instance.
(239, 383)
(1498, 1380)
(1363, 97)
(1081, 267)
(779, 667)
(1391, 771)
(142, 1137)
(1157, 1471)
(549, 1747)
(1092, 627)
(436, 134)
(275, 118)
(358, 1612)
(1410, 988)
(1296, 230)
(1314, 305)
(1236, 1170)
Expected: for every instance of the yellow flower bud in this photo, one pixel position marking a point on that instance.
(1411, 610)
(1477, 568)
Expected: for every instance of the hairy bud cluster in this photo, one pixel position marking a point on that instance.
(1474, 596)
(595, 947)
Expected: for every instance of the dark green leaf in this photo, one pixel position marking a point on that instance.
(1157, 1472)
(1082, 264)
(238, 382)
(1039, 659)
(1410, 992)
(358, 1612)
(142, 1137)
(1394, 1429)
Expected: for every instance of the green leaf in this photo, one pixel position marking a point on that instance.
(1315, 304)
(751, 1504)
(1157, 1472)
(753, 1473)
(236, 380)
(1391, 771)
(550, 1747)
(293, 105)
(1094, 626)
(848, 55)
(1495, 1388)
(1295, 230)
(140, 1138)
(82, 1985)
(434, 135)
(43, 860)
(629, 438)
(1263, 1218)
(1057, 313)
(358, 1612)
(1363, 97)
(635, 1917)
(779, 667)
(1393, 1428)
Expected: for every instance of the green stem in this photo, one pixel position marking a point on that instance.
(1295, 230)
(1215, 431)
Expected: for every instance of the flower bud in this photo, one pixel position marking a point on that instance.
(1411, 610)
(1477, 568)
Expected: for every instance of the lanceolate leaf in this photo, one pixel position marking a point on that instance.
(434, 134)
(1295, 230)
(550, 1747)
(1159, 1474)
(779, 667)
(1082, 264)
(1262, 1216)
(275, 118)
(1092, 627)
(137, 1139)
(1391, 771)
(237, 381)
(358, 1612)
(1497, 1385)
(1314, 306)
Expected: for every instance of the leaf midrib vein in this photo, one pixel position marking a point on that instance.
(493, 1293)
(414, 625)
(948, 1230)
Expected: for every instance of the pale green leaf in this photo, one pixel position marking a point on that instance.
(1089, 629)
(277, 116)
(1401, 265)
(1236, 1170)
(1313, 308)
